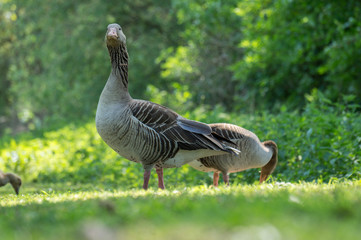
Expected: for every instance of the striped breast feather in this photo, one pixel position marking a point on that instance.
(189, 135)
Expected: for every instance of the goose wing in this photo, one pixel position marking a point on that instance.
(234, 133)
(189, 135)
(229, 131)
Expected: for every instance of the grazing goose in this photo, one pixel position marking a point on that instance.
(11, 178)
(254, 154)
(145, 132)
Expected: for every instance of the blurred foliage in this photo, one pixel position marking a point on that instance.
(255, 55)
(238, 54)
(320, 144)
(55, 61)
(292, 47)
(213, 61)
(211, 35)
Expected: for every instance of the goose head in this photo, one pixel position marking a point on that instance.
(15, 181)
(115, 36)
(267, 169)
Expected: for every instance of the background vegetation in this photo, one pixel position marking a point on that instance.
(321, 143)
(246, 56)
(287, 70)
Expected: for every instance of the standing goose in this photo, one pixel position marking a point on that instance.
(11, 178)
(254, 154)
(145, 132)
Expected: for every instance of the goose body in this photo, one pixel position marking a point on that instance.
(146, 132)
(11, 178)
(254, 154)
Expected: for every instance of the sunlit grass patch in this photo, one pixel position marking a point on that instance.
(281, 210)
(53, 193)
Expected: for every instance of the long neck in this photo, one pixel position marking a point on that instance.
(4, 179)
(119, 59)
(271, 165)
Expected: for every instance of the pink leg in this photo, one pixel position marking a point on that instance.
(225, 178)
(160, 178)
(215, 179)
(146, 179)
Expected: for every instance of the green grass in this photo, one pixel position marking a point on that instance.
(268, 211)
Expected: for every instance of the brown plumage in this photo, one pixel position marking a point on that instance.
(145, 132)
(254, 154)
(11, 178)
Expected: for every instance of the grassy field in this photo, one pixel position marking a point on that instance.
(269, 211)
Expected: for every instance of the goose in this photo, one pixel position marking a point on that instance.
(11, 178)
(254, 154)
(145, 132)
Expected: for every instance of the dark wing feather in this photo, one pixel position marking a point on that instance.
(189, 135)
(228, 131)
(153, 115)
(223, 139)
(194, 126)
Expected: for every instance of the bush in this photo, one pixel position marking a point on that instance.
(320, 143)
(291, 47)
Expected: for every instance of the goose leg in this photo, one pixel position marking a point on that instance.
(215, 179)
(225, 178)
(160, 178)
(146, 179)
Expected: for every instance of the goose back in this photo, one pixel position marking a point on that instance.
(253, 153)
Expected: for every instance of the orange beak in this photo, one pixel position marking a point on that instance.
(263, 177)
(112, 34)
(16, 188)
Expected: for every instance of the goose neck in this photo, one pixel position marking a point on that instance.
(119, 60)
(4, 179)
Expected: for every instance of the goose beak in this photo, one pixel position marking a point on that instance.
(263, 177)
(264, 174)
(112, 34)
(16, 188)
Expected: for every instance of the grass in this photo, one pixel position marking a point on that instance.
(267, 211)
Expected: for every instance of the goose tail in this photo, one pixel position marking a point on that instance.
(232, 150)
